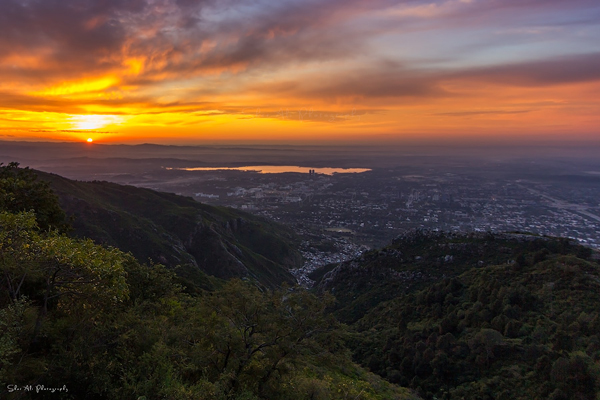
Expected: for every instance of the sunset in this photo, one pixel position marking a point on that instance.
(300, 199)
(175, 71)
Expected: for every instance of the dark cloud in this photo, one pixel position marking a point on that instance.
(382, 80)
(387, 80)
(64, 28)
(553, 71)
(44, 42)
(482, 112)
(78, 37)
(305, 114)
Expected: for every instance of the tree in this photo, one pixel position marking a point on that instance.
(47, 273)
(249, 338)
(20, 190)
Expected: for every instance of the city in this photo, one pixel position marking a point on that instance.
(340, 215)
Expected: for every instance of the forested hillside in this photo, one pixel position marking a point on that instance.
(446, 315)
(482, 316)
(83, 321)
(179, 231)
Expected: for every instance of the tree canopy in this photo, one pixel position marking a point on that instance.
(21, 190)
(77, 315)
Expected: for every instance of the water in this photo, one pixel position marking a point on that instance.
(279, 169)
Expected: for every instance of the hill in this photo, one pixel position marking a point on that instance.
(415, 260)
(451, 316)
(83, 321)
(80, 321)
(505, 316)
(178, 231)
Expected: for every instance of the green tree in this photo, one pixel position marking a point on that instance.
(253, 338)
(46, 274)
(21, 190)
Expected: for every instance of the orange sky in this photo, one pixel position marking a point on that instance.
(185, 71)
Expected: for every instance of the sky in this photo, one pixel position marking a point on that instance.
(366, 71)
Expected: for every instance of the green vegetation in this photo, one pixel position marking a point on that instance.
(20, 190)
(416, 260)
(525, 328)
(94, 319)
(479, 316)
(99, 323)
(176, 230)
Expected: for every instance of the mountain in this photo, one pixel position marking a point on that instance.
(84, 321)
(178, 231)
(488, 316)
(419, 258)
(81, 321)
(449, 316)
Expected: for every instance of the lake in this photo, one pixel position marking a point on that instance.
(279, 169)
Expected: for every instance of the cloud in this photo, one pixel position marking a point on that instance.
(86, 131)
(551, 71)
(144, 42)
(76, 38)
(372, 84)
(482, 112)
(207, 58)
(398, 82)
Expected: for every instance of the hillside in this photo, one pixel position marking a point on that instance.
(506, 316)
(93, 323)
(419, 258)
(83, 321)
(450, 316)
(175, 230)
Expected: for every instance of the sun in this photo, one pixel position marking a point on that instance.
(90, 140)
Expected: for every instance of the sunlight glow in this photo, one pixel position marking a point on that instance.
(95, 121)
(83, 86)
(372, 71)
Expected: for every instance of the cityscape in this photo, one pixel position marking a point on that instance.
(340, 215)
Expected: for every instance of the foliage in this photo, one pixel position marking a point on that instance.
(50, 284)
(486, 316)
(97, 321)
(415, 260)
(179, 231)
(519, 330)
(20, 190)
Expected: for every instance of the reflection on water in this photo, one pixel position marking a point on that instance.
(278, 169)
